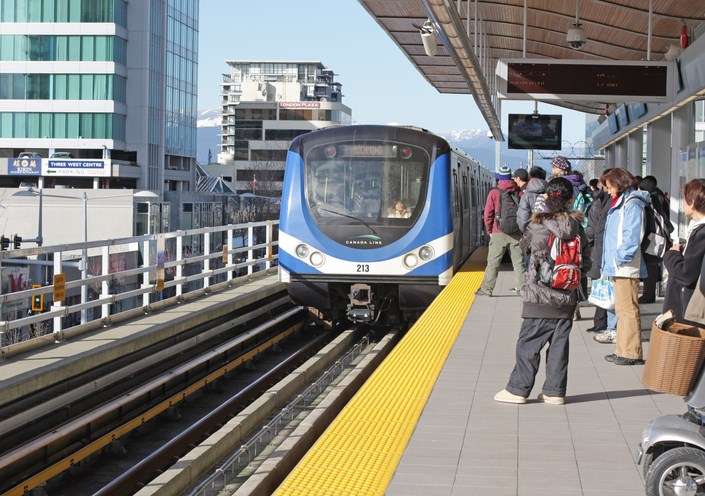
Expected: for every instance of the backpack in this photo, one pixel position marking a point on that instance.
(657, 240)
(561, 267)
(507, 214)
(582, 203)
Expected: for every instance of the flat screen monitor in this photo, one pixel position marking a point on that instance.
(535, 131)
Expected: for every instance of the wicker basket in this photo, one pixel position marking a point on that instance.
(675, 357)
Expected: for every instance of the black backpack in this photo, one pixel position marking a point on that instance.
(507, 214)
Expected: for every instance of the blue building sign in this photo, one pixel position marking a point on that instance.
(24, 166)
(76, 167)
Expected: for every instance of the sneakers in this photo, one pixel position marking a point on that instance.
(552, 400)
(482, 292)
(505, 396)
(606, 337)
(514, 290)
(618, 360)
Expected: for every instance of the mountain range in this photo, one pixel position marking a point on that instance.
(474, 142)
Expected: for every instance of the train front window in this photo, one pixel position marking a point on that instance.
(366, 181)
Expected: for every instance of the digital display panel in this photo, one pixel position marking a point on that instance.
(535, 132)
(368, 150)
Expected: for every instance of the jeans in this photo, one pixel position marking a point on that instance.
(611, 320)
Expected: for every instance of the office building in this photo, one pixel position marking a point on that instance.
(265, 105)
(108, 87)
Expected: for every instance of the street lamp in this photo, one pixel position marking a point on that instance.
(34, 192)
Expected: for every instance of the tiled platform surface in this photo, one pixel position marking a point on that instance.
(466, 444)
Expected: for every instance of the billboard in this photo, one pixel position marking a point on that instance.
(76, 167)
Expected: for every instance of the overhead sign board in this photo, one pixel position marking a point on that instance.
(609, 81)
(24, 166)
(77, 167)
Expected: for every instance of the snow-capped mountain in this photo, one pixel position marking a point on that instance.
(474, 142)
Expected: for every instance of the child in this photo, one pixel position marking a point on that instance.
(547, 312)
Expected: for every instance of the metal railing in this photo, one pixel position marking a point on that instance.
(112, 280)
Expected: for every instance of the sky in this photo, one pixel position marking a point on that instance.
(379, 83)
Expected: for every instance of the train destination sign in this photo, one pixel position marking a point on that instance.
(581, 80)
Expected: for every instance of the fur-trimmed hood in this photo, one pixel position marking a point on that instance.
(557, 223)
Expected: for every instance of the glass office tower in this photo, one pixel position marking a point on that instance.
(102, 79)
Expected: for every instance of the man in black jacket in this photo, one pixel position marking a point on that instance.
(595, 231)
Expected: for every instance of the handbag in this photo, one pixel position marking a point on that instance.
(602, 293)
(695, 311)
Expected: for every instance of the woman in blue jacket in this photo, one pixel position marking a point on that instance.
(622, 261)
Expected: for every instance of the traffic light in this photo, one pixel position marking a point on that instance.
(4, 243)
(16, 242)
(37, 300)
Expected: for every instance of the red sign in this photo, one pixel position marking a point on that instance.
(300, 105)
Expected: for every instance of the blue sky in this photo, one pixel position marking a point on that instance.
(379, 83)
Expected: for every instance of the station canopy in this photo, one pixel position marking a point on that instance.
(465, 63)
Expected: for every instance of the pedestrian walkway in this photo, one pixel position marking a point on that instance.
(466, 444)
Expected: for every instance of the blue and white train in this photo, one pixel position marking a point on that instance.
(342, 248)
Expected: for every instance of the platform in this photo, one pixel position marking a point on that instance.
(466, 444)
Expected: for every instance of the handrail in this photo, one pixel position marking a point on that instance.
(122, 276)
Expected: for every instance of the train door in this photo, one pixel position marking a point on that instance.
(467, 225)
(475, 211)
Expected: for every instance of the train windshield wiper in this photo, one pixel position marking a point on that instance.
(350, 217)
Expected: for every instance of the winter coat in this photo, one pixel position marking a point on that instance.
(595, 231)
(578, 184)
(492, 205)
(535, 188)
(683, 271)
(540, 300)
(624, 231)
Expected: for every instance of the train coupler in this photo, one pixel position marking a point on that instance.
(361, 308)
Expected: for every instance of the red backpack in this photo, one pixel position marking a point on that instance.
(561, 268)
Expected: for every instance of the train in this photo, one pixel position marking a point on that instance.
(346, 251)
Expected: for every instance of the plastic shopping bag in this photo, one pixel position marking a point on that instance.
(602, 293)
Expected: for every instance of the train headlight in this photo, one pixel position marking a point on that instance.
(410, 261)
(426, 253)
(317, 259)
(302, 251)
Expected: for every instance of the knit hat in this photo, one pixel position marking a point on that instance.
(521, 174)
(560, 162)
(504, 173)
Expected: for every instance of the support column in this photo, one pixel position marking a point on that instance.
(682, 134)
(609, 157)
(658, 152)
(620, 154)
(635, 152)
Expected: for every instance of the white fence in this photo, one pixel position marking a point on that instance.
(113, 280)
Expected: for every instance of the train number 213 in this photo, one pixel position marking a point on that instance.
(363, 268)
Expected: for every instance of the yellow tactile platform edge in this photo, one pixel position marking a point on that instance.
(360, 450)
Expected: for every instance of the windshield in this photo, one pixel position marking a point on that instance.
(366, 182)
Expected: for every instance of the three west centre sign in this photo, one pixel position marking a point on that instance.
(585, 80)
(76, 167)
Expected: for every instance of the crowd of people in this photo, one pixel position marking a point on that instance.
(611, 221)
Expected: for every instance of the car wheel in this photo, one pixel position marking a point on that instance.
(680, 471)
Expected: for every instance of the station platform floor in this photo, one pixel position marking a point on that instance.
(467, 444)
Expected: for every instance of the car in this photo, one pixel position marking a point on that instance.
(29, 155)
(62, 155)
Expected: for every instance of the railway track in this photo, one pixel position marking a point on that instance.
(117, 446)
(62, 447)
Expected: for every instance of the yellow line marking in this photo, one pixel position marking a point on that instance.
(359, 452)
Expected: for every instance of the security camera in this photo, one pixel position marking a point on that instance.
(428, 37)
(576, 37)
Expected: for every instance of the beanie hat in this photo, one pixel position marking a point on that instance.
(560, 162)
(504, 173)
